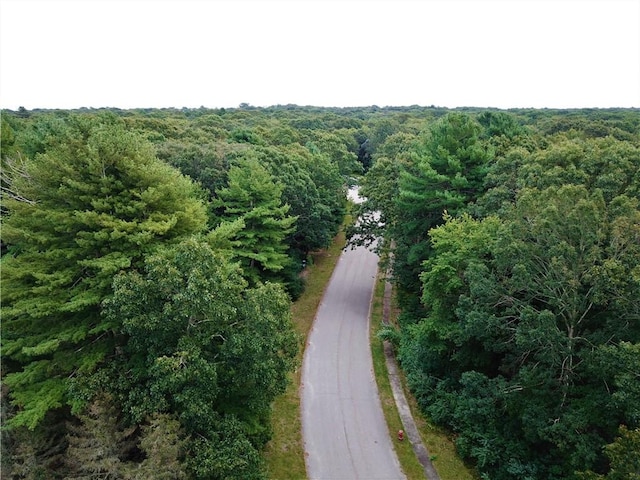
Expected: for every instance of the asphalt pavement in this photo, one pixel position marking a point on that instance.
(344, 430)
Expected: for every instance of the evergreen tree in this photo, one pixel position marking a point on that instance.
(446, 173)
(98, 202)
(97, 445)
(253, 196)
(163, 445)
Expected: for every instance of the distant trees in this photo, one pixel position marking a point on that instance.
(311, 167)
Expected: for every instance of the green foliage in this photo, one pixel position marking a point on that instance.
(514, 237)
(524, 340)
(7, 140)
(458, 244)
(98, 202)
(207, 349)
(253, 196)
(513, 309)
(377, 213)
(313, 188)
(623, 455)
(336, 148)
(446, 172)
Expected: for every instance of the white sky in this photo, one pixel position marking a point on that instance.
(215, 53)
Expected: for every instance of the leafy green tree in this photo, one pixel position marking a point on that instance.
(322, 209)
(98, 201)
(336, 149)
(206, 349)
(607, 164)
(312, 187)
(205, 162)
(623, 455)
(7, 139)
(315, 224)
(618, 365)
(435, 341)
(253, 196)
(377, 213)
(514, 308)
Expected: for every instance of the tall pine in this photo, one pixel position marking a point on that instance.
(97, 200)
(446, 174)
(253, 196)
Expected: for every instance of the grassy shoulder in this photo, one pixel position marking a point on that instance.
(285, 452)
(439, 444)
(408, 461)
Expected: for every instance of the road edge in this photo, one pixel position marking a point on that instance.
(408, 423)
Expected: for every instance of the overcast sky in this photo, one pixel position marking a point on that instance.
(215, 53)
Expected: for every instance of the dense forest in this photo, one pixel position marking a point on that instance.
(149, 259)
(514, 240)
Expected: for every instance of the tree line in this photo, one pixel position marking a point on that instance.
(149, 258)
(514, 242)
(149, 261)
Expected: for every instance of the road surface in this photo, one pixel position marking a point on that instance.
(345, 434)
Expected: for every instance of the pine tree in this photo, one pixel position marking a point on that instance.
(98, 202)
(97, 446)
(253, 196)
(162, 443)
(446, 174)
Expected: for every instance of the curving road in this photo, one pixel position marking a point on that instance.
(345, 434)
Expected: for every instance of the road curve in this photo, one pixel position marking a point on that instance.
(344, 431)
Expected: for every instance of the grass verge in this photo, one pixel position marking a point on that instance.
(285, 452)
(408, 461)
(439, 444)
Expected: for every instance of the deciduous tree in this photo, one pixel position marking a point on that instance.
(206, 349)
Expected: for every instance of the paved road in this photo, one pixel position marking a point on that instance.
(344, 431)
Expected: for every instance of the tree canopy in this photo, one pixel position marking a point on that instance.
(206, 349)
(96, 202)
(514, 249)
(149, 258)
